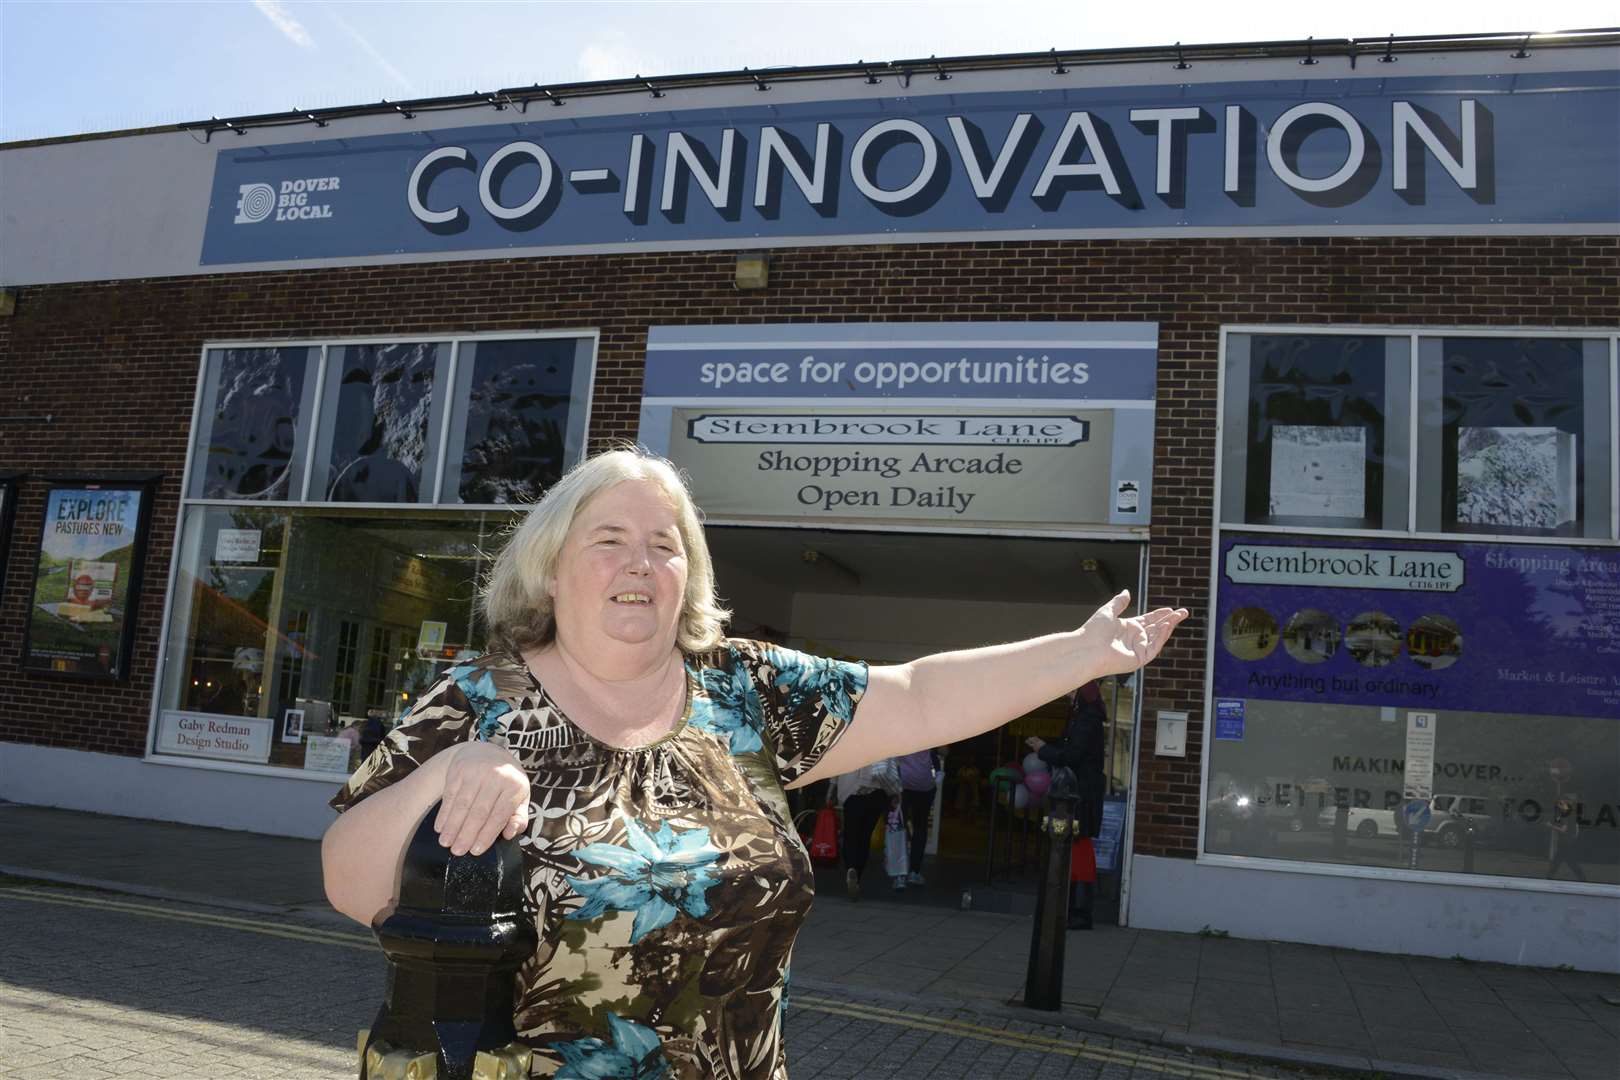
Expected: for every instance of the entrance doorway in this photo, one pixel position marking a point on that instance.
(888, 597)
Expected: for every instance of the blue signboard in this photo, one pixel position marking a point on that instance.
(1532, 151)
(1110, 836)
(1479, 627)
(1229, 719)
(826, 363)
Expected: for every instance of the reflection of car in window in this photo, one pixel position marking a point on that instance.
(1454, 815)
(1364, 821)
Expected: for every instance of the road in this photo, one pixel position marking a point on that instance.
(96, 984)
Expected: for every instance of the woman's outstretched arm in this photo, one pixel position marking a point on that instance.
(951, 696)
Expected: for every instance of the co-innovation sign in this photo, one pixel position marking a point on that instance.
(1418, 154)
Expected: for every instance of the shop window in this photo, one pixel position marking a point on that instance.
(380, 442)
(513, 431)
(1315, 431)
(252, 423)
(332, 540)
(339, 617)
(473, 422)
(1440, 698)
(1514, 436)
(1513, 795)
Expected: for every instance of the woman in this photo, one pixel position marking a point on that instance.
(919, 774)
(641, 759)
(865, 796)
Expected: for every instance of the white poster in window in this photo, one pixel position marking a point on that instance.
(327, 753)
(430, 638)
(1318, 471)
(237, 545)
(1418, 782)
(292, 726)
(1522, 477)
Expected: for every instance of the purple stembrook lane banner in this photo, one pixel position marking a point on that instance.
(1476, 627)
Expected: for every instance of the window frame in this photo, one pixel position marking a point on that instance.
(1220, 528)
(443, 418)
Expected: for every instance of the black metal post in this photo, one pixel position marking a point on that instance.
(1043, 985)
(454, 945)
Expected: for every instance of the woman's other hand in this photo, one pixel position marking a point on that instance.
(1123, 645)
(486, 794)
(1035, 742)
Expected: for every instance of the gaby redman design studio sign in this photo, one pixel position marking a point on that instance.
(1412, 155)
(1036, 426)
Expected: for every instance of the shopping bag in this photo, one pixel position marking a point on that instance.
(895, 859)
(824, 839)
(1083, 860)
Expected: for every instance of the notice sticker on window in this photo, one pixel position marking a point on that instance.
(1229, 719)
(327, 754)
(1419, 780)
(237, 545)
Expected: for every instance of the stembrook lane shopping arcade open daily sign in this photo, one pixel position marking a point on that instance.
(1530, 152)
(958, 425)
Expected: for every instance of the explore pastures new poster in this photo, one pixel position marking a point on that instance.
(85, 580)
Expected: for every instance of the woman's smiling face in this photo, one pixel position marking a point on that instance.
(621, 575)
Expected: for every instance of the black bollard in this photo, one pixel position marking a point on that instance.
(454, 945)
(1043, 985)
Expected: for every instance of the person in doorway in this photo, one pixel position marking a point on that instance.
(968, 780)
(642, 757)
(920, 774)
(866, 794)
(1082, 749)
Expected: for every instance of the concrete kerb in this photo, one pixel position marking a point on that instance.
(146, 891)
(319, 913)
(1266, 1053)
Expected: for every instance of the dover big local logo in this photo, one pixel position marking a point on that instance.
(261, 202)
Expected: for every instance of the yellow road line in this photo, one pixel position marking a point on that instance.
(226, 922)
(1020, 1040)
(871, 1014)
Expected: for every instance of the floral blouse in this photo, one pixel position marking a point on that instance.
(667, 881)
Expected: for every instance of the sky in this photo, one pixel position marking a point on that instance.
(68, 67)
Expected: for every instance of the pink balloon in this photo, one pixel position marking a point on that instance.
(1037, 783)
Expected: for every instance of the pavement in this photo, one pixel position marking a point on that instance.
(138, 948)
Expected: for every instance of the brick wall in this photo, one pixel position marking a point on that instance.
(116, 364)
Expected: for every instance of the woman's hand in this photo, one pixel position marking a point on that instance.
(1123, 645)
(1035, 742)
(486, 794)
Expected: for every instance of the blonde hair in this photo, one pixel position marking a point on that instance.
(517, 594)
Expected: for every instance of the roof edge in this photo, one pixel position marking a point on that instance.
(520, 97)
